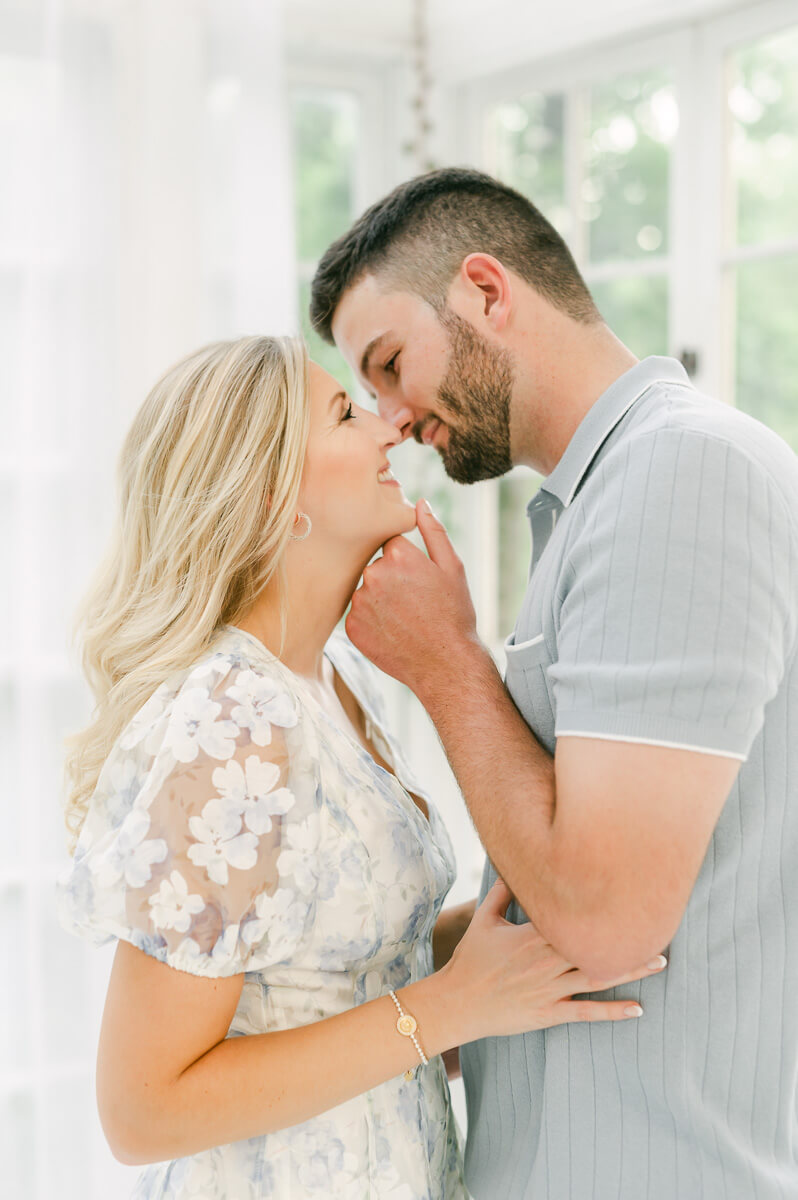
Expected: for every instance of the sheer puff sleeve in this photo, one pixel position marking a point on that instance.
(181, 852)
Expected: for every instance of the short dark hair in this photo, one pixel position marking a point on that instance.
(417, 236)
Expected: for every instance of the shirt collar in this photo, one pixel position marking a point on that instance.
(602, 417)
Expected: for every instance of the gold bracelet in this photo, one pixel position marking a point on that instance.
(407, 1026)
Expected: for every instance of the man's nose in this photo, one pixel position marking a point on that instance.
(399, 415)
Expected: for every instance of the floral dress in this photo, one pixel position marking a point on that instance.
(236, 828)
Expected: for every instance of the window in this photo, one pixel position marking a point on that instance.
(331, 190)
(326, 144)
(761, 260)
(607, 193)
(616, 149)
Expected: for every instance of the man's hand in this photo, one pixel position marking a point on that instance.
(412, 614)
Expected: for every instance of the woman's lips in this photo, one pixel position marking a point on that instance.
(386, 475)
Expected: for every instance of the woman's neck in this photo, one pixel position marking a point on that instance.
(316, 595)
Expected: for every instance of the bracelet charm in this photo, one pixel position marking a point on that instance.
(407, 1025)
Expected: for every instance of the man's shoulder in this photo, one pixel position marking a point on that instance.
(678, 431)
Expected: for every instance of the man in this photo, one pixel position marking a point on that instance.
(634, 781)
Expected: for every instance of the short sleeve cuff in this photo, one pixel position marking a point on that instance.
(654, 730)
(187, 956)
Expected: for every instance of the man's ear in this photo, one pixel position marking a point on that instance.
(487, 282)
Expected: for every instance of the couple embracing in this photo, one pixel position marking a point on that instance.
(288, 993)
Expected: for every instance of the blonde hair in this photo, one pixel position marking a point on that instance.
(208, 479)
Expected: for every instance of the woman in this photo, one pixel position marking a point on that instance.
(248, 828)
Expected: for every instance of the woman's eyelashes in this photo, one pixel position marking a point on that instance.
(349, 414)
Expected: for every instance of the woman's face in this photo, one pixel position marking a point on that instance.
(347, 488)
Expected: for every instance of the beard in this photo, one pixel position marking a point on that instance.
(477, 389)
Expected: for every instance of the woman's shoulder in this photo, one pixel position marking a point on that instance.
(232, 683)
(196, 812)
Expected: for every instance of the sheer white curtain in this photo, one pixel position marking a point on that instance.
(145, 208)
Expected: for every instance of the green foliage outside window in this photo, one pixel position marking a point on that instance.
(763, 169)
(763, 110)
(527, 136)
(636, 309)
(325, 147)
(624, 199)
(766, 356)
(325, 128)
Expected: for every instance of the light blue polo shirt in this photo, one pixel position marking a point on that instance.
(662, 607)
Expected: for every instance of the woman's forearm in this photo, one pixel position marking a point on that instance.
(449, 929)
(248, 1086)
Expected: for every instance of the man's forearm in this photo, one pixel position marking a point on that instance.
(507, 780)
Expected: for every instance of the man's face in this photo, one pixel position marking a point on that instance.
(434, 377)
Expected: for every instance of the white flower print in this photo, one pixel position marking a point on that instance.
(225, 946)
(144, 720)
(251, 791)
(282, 916)
(125, 787)
(220, 842)
(261, 704)
(279, 863)
(172, 906)
(129, 855)
(217, 664)
(325, 1165)
(194, 727)
(197, 1176)
(300, 856)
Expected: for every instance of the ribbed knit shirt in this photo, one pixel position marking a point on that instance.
(662, 607)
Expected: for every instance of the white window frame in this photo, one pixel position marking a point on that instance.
(700, 262)
(715, 256)
(372, 88)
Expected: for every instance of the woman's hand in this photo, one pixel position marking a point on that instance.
(505, 979)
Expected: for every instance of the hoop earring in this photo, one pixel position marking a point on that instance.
(300, 537)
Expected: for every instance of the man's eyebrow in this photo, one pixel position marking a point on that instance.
(365, 364)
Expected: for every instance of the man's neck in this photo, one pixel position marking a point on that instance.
(561, 388)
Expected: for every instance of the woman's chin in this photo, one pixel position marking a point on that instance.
(406, 518)
(403, 520)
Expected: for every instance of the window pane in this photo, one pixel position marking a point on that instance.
(767, 346)
(763, 106)
(325, 355)
(525, 139)
(636, 310)
(624, 199)
(67, 1014)
(16, 1048)
(9, 548)
(11, 301)
(515, 544)
(12, 848)
(18, 1144)
(65, 707)
(325, 140)
(69, 1106)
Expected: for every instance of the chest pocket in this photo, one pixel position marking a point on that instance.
(527, 681)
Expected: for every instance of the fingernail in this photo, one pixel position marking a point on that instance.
(633, 1010)
(657, 963)
(428, 507)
